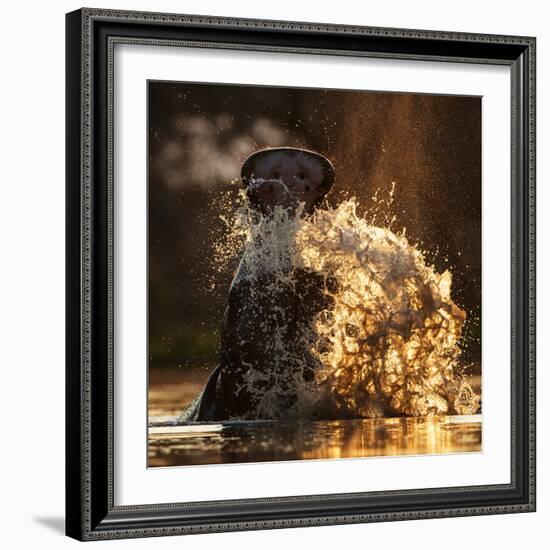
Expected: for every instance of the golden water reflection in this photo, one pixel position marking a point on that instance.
(221, 443)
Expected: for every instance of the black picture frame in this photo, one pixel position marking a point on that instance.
(90, 510)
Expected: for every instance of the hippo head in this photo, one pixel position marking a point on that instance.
(287, 176)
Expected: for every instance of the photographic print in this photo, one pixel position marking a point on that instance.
(314, 274)
(299, 247)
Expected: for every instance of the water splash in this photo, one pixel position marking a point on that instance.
(385, 342)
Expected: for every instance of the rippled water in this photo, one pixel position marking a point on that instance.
(171, 444)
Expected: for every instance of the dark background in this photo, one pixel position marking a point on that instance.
(430, 146)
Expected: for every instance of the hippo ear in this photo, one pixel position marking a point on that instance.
(246, 171)
(328, 169)
(246, 176)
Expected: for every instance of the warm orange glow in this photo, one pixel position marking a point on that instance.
(389, 342)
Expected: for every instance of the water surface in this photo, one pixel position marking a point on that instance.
(171, 444)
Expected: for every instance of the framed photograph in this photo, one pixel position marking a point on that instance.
(300, 274)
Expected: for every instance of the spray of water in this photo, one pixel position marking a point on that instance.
(386, 341)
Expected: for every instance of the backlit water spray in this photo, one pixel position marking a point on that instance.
(387, 341)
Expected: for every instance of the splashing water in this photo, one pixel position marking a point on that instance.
(385, 342)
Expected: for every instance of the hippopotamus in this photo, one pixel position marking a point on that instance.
(267, 333)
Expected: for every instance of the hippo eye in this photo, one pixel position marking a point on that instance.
(308, 187)
(301, 175)
(276, 174)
